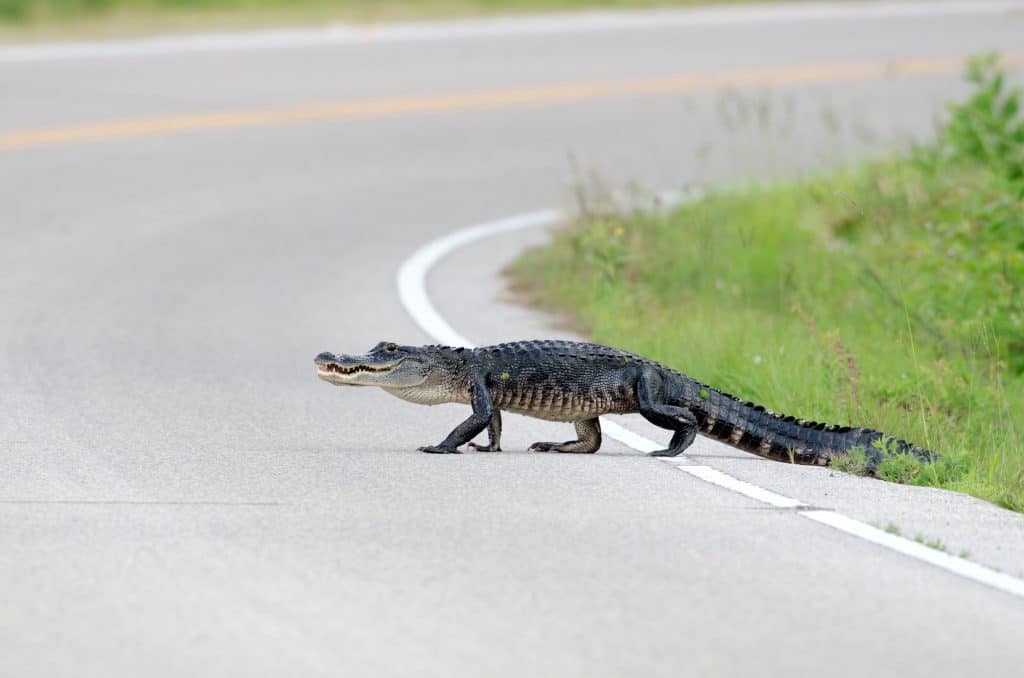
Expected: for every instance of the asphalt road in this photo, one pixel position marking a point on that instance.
(180, 495)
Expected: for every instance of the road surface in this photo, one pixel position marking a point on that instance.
(183, 231)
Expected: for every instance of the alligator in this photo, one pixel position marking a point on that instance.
(579, 382)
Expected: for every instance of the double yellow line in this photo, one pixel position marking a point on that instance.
(488, 99)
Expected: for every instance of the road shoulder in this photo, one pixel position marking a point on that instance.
(469, 291)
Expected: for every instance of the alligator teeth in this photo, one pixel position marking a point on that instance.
(339, 369)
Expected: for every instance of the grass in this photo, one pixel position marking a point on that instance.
(889, 295)
(21, 19)
(934, 543)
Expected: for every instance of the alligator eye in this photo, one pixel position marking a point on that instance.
(391, 347)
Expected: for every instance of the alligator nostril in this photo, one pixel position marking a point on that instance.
(324, 357)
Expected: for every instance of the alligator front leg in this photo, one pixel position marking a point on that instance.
(589, 432)
(493, 435)
(480, 399)
(678, 419)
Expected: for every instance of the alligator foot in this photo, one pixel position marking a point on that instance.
(572, 447)
(434, 449)
(681, 440)
(485, 448)
(589, 431)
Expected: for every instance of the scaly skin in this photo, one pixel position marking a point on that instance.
(578, 382)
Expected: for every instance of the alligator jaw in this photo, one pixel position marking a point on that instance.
(344, 370)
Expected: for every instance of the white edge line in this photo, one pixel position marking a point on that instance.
(497, 27)
(960, 566)
(412, 290)
(716, 477)
(412, 275)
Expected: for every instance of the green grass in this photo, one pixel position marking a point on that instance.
(889, 295)
(21, 19)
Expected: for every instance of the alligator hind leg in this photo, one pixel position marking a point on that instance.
(493, 434)
(589, 432)
(678, 419)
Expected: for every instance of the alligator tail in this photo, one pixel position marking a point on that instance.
(768, 434)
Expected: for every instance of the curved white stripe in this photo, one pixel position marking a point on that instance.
(412, 274)
(412, 289)
(498, 27)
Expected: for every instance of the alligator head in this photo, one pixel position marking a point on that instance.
(387, 365)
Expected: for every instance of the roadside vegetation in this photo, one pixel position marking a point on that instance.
(889, 295)
(28, 18)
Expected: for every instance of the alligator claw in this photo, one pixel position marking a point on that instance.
(541, 447)
(484, 448)
(434, 449)
(663, 453)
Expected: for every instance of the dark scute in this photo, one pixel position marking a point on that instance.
(749, 441)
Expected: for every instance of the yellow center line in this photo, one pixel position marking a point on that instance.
(489, 99)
